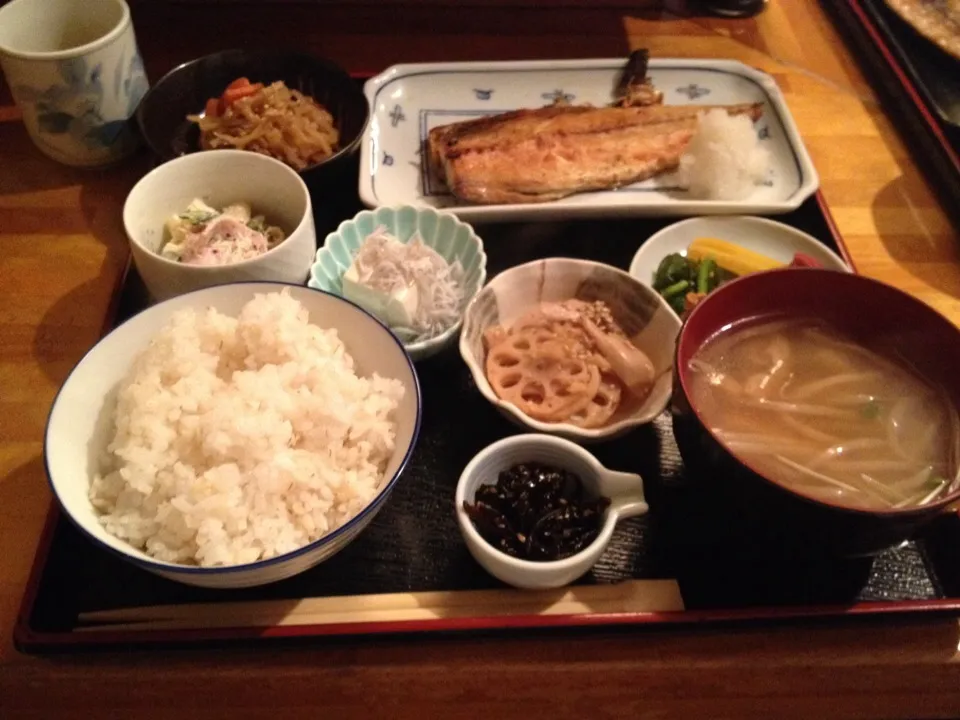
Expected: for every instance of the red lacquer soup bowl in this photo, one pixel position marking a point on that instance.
(859, 307)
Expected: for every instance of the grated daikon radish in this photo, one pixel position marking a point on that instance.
(388, 266)
(724, 160)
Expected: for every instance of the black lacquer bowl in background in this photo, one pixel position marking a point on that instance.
(859, 307)
(183, 91)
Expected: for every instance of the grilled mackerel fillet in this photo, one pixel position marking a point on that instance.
(529, 156)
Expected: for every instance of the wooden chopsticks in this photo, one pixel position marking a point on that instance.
(634, 596)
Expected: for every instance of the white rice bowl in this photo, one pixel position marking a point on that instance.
(241, 439)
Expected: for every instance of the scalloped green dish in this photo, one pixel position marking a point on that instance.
(452, 238)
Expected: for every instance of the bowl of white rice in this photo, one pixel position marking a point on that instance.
(236, 435)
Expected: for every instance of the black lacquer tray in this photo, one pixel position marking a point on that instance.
(413, 546)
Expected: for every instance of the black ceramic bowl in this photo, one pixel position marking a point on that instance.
(183, 91)
(859, 307)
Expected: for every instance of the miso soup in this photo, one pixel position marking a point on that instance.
(826, 416)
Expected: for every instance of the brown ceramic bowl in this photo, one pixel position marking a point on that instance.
(860, 307)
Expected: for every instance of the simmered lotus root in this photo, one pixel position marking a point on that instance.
(550, 366)
(539, 328)
(602, 405)
(494, 336)
(536, 373)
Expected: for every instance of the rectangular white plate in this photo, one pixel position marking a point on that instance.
(406, 101)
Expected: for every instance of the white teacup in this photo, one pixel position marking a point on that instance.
(75, 71)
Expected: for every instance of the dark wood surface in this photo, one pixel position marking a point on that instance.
(63, 250)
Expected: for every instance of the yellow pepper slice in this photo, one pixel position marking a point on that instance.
(733, 258)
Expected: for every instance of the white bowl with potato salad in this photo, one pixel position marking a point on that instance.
(212, 218)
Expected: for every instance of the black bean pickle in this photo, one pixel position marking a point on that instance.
(536, 512)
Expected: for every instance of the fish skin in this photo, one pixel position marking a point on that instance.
(532, 156)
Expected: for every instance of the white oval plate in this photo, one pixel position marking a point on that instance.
(767, 237)
(407, 101)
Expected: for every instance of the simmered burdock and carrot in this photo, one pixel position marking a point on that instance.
(272, 120)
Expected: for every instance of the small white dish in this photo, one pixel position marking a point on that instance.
(220, 178)
(767, 237)
(407, 101)
(624, 490)
(80, 425)
(645, 316)
(452, 238)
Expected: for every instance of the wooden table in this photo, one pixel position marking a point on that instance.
(63, 250)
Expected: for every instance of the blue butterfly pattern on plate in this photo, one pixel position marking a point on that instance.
(693, 91)
(558, 96)
(397, 116)
(74, 107)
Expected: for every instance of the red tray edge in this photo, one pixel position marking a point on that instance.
(26, 638)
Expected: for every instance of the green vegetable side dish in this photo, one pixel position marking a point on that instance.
(705, 273)
(678, 275)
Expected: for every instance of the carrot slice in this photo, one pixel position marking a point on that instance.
(238, 83)
(213, 107)
(231, 95)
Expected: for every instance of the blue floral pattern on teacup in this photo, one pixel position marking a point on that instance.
(74, 106)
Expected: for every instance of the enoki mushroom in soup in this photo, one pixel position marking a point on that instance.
(567, 362)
